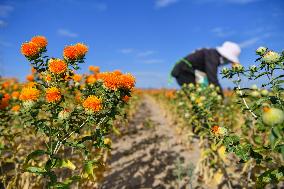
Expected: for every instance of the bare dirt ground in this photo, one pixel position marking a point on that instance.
(145, 156)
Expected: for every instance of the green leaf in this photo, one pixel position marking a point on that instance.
(33, 155)
(270, 176)
(36, 170)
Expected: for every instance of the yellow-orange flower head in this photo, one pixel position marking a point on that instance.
(29, 93)
(53, 94)
(40, 41)
(15, 94)
(16, 108)
(70, 53)
(4, 102)
(30, 49)
(30, 77)
(92, 103)
(91, 79)
(57, 66)
(127, 81)
(117, 72)
(82, 49)
(110, 79)
(77, 77)
(75, 52)
(94, 69)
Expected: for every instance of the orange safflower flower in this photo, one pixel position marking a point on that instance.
(110, 79)
(5, 84)
(215, 129)
(91, 79)
(125, 98)
(82, 49)
(93, 103)
(16, 108)
(117, 72)
(30, 49)
(40, 41)
(57, 66)
(33, 70)
(94, 69)
(15, 94)
(53, 94)
(4, 101)
(75, 52)
(70, 53)
(31, 84)
(29, 93)
(127, 81)
(15, 87)
(77, 77)
(30, 77)
(47, 78)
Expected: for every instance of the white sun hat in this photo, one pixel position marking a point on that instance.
(230, 51)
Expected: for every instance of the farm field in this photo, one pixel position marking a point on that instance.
(61, 129)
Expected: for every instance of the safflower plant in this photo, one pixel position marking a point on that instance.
(260, 145)
(70, 112)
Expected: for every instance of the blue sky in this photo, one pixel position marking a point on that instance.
(144, 37)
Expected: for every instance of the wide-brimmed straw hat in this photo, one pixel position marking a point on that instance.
(230, 51)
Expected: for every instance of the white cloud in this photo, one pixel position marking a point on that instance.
(164, 3)
(146, 53)
(249, 42)
(223, 32)
(254, 40)
(241, 2)
(100, 6)
(66, 33)
(126, 51)
(5, 10)
(153, 61)
(2, 23)
(5, 43)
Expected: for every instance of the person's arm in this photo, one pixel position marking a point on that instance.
(211, 68)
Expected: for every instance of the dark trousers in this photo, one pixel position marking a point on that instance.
(185, 78)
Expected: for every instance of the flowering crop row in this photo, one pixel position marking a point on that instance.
(241, 136)
(59, 119)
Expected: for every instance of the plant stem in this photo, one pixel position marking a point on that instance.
(58, 144)
(244, 100)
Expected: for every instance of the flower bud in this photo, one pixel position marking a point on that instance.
(219, 97)
(255, 94)
(28, 104)
(192, 98)
(261, 51)
(211, 86)
(63, 115)
(253, 68)
(180, 103)
(238, 67)
(264, 92)
(272, 116)
(191, 86)
(271, 57)
(107, 141)
(223, 131)
(254, 87)
(186, 115)
(225, 71)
